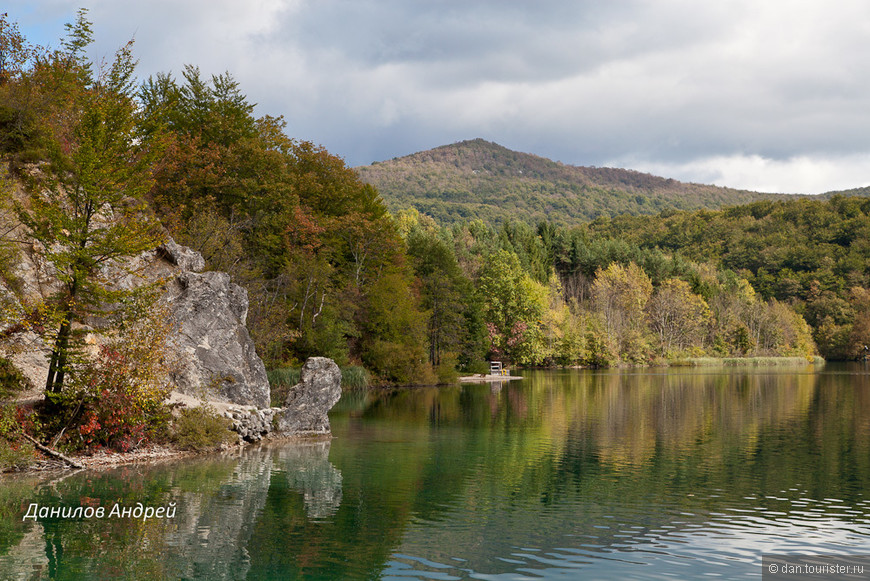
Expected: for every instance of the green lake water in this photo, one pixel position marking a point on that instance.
(652, 474)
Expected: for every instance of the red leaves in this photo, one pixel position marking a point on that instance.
(115, 421)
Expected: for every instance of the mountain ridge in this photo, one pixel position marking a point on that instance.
(479, 179)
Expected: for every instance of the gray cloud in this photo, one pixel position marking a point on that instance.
(775, 93)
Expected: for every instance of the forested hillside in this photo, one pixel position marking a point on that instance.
(811, 254)
(481, 180)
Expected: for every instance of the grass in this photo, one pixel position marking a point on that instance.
(355, 377)
(746, 361)
(288, 376)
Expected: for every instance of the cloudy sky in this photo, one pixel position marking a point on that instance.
(769, 95)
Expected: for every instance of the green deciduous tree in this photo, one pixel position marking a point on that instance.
(86, 208)
(15, 51)
(620, 295)
(513, 307)
(444, 292)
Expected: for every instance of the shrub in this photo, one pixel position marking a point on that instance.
(200, 428)
(446, 371)
(16, 453)
(399, 364)
(110, 405)
(479, 367)
(114, 420)
(599, 350)
(116, 400)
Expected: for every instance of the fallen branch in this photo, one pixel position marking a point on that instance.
(54, 453)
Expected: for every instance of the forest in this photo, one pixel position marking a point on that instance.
(331, 271)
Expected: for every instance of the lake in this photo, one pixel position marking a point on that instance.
(629, 474)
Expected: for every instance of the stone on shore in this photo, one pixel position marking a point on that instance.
(309, 401)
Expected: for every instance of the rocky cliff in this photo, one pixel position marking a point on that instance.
(217, 359)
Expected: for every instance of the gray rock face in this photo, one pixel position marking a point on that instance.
(311, 399)
(181, 256)
(218, 357)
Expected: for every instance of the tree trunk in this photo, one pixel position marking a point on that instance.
(57, 366)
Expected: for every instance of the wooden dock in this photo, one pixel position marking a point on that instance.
(481, 378)
(497, 372)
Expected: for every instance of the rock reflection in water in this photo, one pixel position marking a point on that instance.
(219, 499)
(215, 530)
(310, 472)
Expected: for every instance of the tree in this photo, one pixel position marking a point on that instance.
(620, 294)
(781, 331)
(513, 306)
(443, 289)
(86, 207)
(858, 346)
(15, 51)
(677, 315)
(392, 329)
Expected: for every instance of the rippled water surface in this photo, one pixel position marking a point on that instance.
(679, 474)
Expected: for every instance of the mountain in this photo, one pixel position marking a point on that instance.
(479, 179)
(863, 192)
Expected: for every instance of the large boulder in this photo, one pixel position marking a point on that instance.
(309, 401)
(218, 360)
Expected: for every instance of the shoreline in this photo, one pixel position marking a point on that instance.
(153, 452)
(745, 361)
(149, 454)
(760, 361)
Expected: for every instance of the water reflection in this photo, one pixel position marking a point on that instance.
(617, 474)
(310, 472)
(219, 502)
(624, 466)
(212, 531)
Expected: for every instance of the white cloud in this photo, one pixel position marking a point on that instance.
(803, 174)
